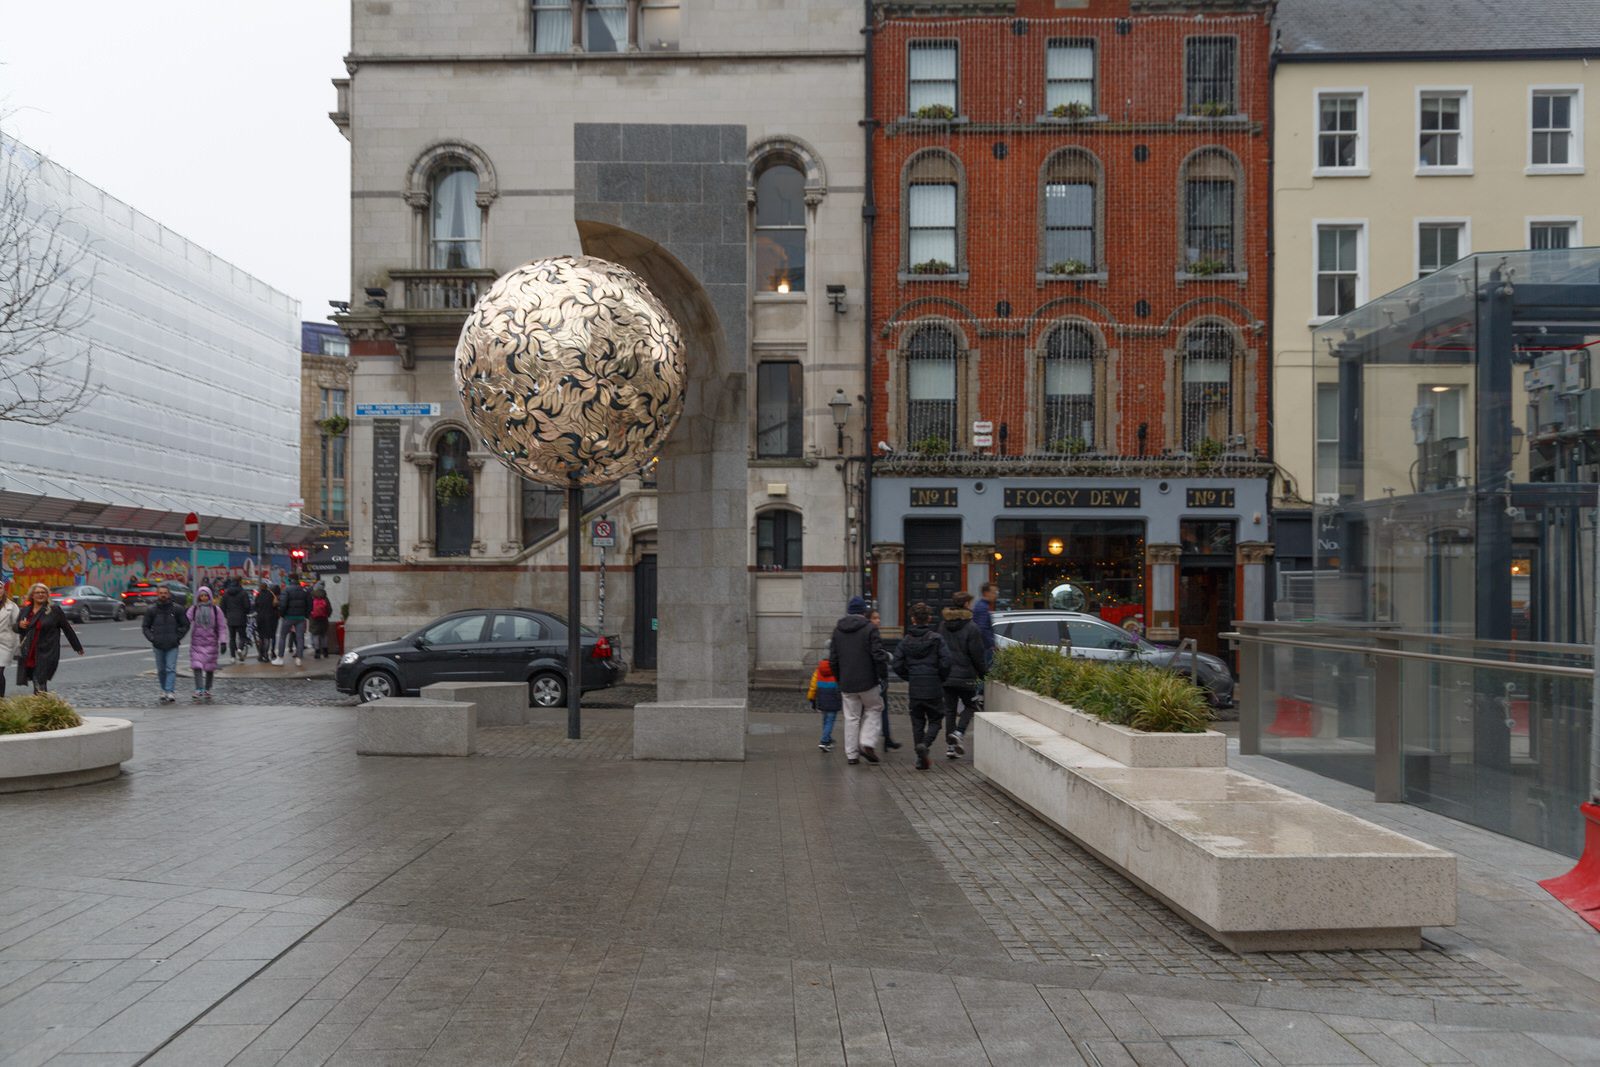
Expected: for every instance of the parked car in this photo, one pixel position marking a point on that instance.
(482, 645)
(80, 603)
(1090, 637)
(141, 594)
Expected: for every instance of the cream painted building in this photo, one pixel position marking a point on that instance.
(488, 133)
(1402, 143)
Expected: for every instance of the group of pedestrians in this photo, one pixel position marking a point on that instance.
(944, 665)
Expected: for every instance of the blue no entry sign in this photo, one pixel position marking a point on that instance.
(397, 411)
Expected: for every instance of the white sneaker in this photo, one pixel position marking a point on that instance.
(297, 661)
(278, 662)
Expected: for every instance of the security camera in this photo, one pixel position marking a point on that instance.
(883, 446)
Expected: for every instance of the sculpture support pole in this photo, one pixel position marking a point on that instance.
(574, 633)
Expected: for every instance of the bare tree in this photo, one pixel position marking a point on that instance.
(46, 279)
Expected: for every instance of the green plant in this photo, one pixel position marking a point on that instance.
(333, 425)
(1208, 449)
(933, 266)
(1211, 109)
(1128, 694)
(1070, 446)
(344, 610)
(942, 112)
(932, 445)
(451, 487)
(1208, 266)
(36, 713)
(1068, 266)
(1075, 110)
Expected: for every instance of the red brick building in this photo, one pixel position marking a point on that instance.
(1069, 270)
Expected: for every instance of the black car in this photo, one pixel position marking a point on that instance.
(141, 594)
(80, 603)
(484, 645)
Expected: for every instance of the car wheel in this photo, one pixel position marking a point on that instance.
(376, 685)
(119, 613)
(547, 691)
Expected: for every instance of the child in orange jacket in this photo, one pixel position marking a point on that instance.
(824, 696)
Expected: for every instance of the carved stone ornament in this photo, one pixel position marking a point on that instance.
(572, 371)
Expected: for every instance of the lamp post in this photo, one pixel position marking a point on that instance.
(840, 405)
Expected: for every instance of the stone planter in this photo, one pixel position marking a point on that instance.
(52, 759)
(1131, 748)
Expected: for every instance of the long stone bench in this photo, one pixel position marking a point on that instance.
(1255, 866)
(499, 703)
(51, 759)
(412, 726)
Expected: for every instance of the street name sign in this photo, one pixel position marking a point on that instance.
(396, 411)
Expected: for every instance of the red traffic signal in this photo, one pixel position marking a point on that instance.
(297, 554)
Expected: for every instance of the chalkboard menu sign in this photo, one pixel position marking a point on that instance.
(386, 489)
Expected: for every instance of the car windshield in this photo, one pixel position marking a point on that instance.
(62, 591)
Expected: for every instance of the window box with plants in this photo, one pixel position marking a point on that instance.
(934, 115)
(1070, 270)
(1067, 114)
(1207, 268)
(1214, 111)
(1067, 446)
(932, 445)
(933, 270)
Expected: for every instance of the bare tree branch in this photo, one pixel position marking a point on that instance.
(46, 283)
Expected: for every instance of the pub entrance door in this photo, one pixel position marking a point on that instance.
(933, 563)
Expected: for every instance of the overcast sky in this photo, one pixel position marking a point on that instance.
(210, 117)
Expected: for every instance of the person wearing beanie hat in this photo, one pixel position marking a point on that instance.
(208, 628)
(857, 605)
(857, 660)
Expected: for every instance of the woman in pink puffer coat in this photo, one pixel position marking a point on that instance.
(208, 630)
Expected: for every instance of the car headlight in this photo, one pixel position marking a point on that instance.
(348, 658)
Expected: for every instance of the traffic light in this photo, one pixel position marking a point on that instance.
(298, 555)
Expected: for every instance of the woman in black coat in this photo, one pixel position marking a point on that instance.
(41, 627)
(266, 622)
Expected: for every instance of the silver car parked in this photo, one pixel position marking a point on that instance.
(1074, 633)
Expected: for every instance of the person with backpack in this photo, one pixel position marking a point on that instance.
(266, 621)
(207, 625)
(824, 696)
(321, 613)
(969, 662)
(294, 608)
(923, 661)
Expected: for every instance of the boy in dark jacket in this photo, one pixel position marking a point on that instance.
(855, 655)
(824, 696)
(923, 660)
(969, 662)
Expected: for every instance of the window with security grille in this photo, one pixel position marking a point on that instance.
(1069, 373)
(1210, 74)
(1338, 269)
(1438, 245)
(1338, 131)
(1207, 359)
(1210, 193)
(931, 218)
(931, 76)
(931, 390)
(778, 541)
(1552, 129)
(1069, 76)
(1547, 235)
(1441, 130)
(780, 427)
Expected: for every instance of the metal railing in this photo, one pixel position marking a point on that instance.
(439, 290)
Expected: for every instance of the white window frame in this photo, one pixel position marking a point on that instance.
(1464, 166)
(1320, 437)
(1465, 222)
(1575, 166)
(931, 44)
(1362, 271)
(1575, 221)
(1362, 168)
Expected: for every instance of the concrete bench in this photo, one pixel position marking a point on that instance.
(412, 726)
(1255, 866)
(499, 703)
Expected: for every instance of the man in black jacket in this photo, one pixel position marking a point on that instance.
(923, 660)
(266, 621)
(856, 657)
(164, 626)
(969, 662)
(293, 611)
(235, 604)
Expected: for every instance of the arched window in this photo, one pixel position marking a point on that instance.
(780, 230)
(455, 225)
(1206, 372)
(931, 390)
(1069, 390)
(1212, 213)
(452, 494)
(779, 544)
(933, 241)
(1070, 214)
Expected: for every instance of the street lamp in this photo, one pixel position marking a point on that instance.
(840, 405)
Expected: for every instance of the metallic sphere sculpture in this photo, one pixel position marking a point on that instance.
(572, 371)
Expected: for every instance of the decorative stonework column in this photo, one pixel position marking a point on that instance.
(423, 461)
(977, 565)
(890, 559)
(1162, 563)
(1252, 557)
(479, 498)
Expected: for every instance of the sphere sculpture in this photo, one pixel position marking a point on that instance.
(1067, 597)
(572, 371)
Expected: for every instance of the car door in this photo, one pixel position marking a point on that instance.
(1098, 640)
(513, 644)
(99, 605)
(445, 651)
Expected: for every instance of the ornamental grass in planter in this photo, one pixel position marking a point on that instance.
(1127, 694)
(36, 713)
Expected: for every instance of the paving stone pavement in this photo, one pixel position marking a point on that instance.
(252, 892)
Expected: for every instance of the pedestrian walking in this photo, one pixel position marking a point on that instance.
(876, 619)
(9, 638)
(164, 626)
(41, 624)
(824, 696)
(266, 622)
(207, 624)
(968, 664)
(983, 618)
(923, 660)
(855, 656)
(235, 604)
(294, 609)
(321, 614)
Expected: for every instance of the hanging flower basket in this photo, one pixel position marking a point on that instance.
(451, 487)
(333, 425)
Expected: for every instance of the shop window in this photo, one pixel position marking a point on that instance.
(1071, 214)
(1211, 213)
(455, 233)
(1206, 362)
(780, 424)
(931, 398)
(1069, 390)
(778, 541)
(780, 230)
(1206, 537)
(1090, 565)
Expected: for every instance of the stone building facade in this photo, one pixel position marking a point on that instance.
(718, 146)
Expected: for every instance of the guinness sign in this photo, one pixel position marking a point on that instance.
(1109, 497)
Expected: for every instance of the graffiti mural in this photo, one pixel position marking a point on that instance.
(111, 567)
